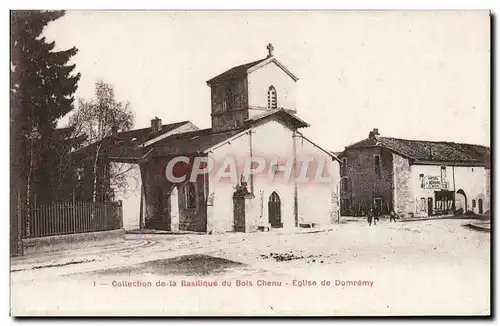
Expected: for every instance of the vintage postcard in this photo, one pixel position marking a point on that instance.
(250, 163)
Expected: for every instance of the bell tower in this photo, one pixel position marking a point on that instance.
(250, 90)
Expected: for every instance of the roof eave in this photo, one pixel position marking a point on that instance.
(449, 163)
(279, 64)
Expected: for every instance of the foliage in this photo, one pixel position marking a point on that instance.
(42, 85)
(98, 119)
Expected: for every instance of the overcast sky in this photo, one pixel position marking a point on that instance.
(417, 75)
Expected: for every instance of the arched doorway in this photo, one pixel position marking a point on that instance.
(461, 201)
(274, 207)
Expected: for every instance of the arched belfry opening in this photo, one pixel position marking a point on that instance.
(272, 98)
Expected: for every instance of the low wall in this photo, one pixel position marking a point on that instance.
(72, 241)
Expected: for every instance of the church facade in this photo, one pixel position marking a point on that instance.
(253, 169)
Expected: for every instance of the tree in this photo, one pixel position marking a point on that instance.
(41, 92)
(98, 119)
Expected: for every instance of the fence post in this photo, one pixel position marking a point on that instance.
(120, 214)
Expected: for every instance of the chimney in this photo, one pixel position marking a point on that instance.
(373, 133)
(156, 124)
(270, 49)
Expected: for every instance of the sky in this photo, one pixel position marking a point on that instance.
(416, 75)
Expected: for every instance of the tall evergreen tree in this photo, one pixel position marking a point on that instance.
(41, 90)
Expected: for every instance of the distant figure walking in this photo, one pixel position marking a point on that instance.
(370, 217)
(376, 214)
(392, 216)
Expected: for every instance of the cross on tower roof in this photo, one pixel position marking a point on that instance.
(270, 49)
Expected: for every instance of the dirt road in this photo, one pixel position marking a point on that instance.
(429, 267)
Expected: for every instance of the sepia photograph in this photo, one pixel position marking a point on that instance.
(250, 163)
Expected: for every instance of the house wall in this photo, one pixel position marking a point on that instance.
(365, 182)
(488, 190)
(472, 180)
(258, 85)
(318, 200)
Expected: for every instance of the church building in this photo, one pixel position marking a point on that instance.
(254, 119)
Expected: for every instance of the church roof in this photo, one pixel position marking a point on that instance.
(126, 146)
(193, 142)
(201, 141)
(422, 151)
(244, 69)
(235, 72)
(281, 115)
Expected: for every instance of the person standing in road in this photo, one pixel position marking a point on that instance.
(376, 214)
(370, 216)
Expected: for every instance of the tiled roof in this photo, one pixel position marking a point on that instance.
(192, 142)
(237, 71)
(423, 151)
(145, 134)
(126, 143)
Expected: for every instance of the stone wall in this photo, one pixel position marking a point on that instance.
(33, 246)
(365, 182)
(403, 198)
(487, 205)
(229, 104)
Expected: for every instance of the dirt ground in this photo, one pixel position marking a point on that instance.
(433, 267)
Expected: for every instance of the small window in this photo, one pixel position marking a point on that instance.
(377, 164)
(190, 195)
(272, 100)
(422, 204)
(421, 179)
(344, 162)
(473, 203)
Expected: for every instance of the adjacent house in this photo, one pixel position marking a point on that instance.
(414, 177)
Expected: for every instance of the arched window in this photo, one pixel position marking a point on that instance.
(190, 195)
(272, 99)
